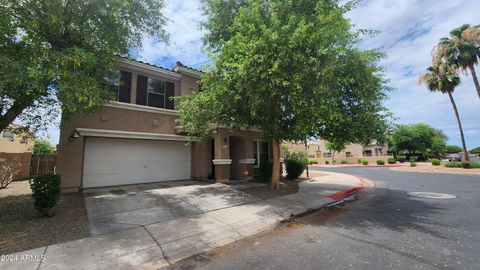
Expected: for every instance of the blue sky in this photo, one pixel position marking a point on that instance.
(409, 29)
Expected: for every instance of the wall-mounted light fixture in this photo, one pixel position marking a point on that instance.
(225, 141)
(74, 135)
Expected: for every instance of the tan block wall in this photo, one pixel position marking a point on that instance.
(22, 162)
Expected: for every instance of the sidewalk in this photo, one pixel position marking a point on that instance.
(164, 243)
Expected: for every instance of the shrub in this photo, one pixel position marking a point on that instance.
(454, 164)
(474, 165)
(401, 158)
(359, 161)
(45, 193)
(344, 162)
(392, 160)
(311, 162)
(294, 168)
(435, 162)
(8, 169)
(298, 156)
(266, 170)
(465, 164)
(327, 162)
(380, 162)
(413, 164)
(334, 162)
(365, 162)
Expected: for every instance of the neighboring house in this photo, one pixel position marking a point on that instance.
(135, 138)
(16, 148)
(11, 142)
(316, 150)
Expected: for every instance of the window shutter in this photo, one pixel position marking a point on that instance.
(125, 87)
(170, 92)
(142, 84)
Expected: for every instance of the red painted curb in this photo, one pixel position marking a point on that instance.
(361, 180)
(345, 193)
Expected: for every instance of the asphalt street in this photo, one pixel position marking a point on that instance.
(384, 229)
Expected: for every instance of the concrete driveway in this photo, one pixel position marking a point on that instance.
(118, 208)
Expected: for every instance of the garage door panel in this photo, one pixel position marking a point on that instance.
(110, 162)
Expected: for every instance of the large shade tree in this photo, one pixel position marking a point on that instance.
(418, 138)
(289, 68)
(461, 50)
(443, 78)
(60, 53)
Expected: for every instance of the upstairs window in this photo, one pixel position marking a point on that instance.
(121, 84)
(156, 93)
(8, 135)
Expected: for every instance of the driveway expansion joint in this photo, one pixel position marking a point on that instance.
(158, 244)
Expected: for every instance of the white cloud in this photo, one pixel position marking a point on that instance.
(409, 30)
(185, 44)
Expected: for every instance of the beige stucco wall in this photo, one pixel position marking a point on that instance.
(201, 159)
(16, 146)
(235, 146)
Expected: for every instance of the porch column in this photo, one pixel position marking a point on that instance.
(222, 159)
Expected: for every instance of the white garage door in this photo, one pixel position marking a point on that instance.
(110, 162)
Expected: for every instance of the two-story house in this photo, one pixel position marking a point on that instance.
(135, 138)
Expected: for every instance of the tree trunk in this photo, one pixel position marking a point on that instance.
(276, 164)
(465, 152)
(11, 115)
(475, 79)
(333, 157)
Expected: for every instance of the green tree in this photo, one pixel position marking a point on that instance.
(43, 147)
(475, 150)
(438, 148)
(461, 50)
(418, 138)
(442, 78)
(335, 146)
(453, 149)
(60, 53)
(289, 68)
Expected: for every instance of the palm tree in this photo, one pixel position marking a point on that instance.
(443, 78)
(462, 50)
